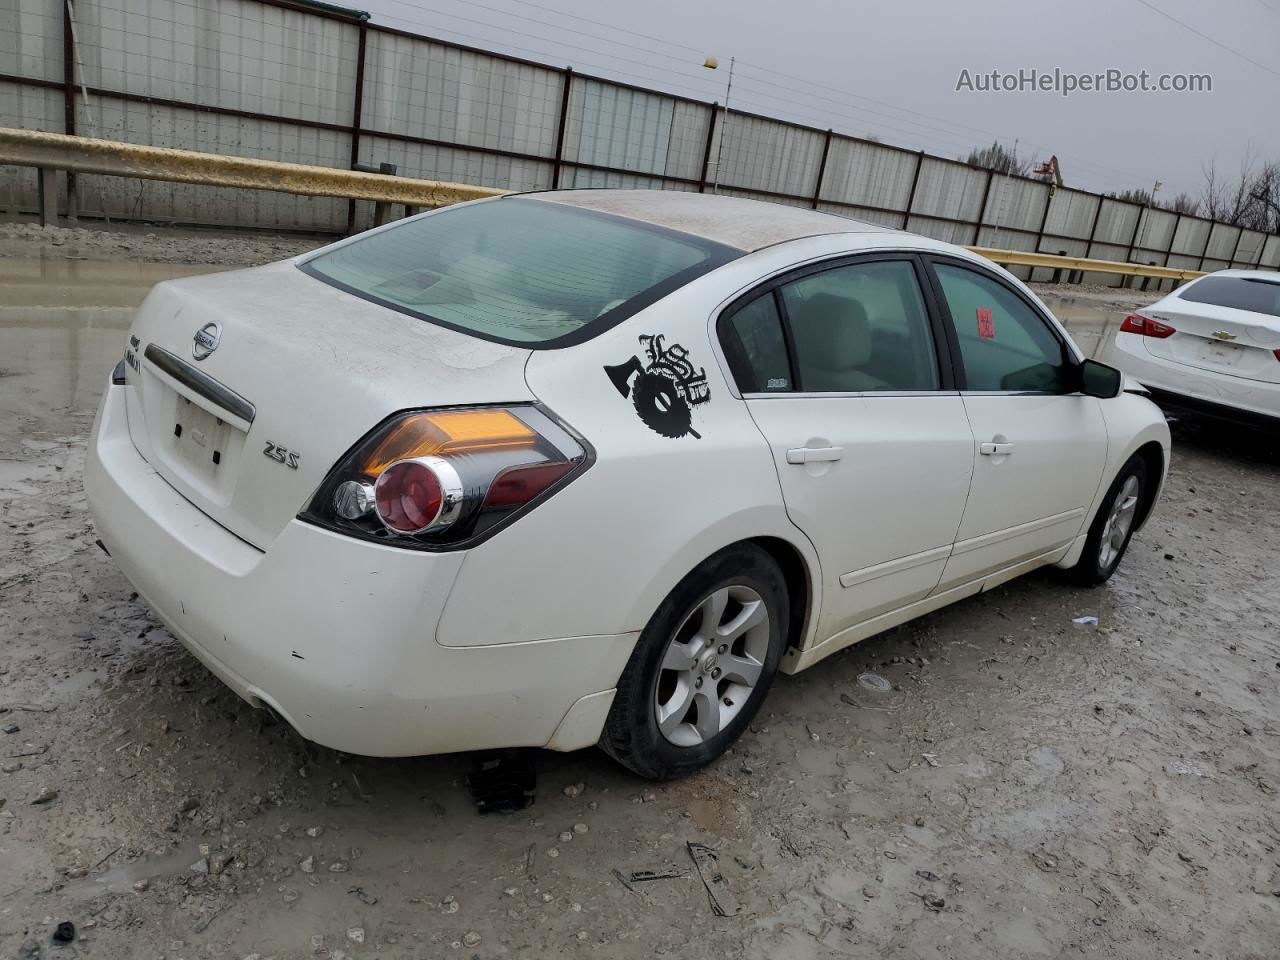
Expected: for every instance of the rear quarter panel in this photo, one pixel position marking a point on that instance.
(600, 556)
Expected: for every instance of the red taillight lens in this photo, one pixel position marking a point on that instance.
(409, 496)
(1277, 353)
(435, 479)
(1136, 323)
(1133, 324)
(519, 485)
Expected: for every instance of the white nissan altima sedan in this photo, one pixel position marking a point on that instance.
(591, 467)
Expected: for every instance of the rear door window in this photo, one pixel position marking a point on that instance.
(757, 349)
(861, 327)
(1005, 345)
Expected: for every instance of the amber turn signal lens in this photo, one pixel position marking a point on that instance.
(447, 431)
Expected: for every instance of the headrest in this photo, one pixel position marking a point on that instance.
(832, 333)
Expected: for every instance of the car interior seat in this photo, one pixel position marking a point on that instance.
(834, 344)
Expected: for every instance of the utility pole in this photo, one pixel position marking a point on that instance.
(1004, 192)
(711, 63)
(1146, 217)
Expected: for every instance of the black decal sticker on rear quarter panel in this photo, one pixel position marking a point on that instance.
(666, 388)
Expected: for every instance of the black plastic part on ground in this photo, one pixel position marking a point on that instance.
(503, 782)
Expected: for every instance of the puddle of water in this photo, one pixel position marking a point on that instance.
(121, 878)
(62, 329)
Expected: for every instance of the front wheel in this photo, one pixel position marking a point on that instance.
(701, 667)
(1113, 526)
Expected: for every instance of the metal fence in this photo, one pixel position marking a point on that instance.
(285, 80)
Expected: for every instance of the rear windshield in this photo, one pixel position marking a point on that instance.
(520, 271)
(1242, 293)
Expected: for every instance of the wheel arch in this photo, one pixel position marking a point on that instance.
(785, 545)
(1153, 456)
(1137, 427)
(799, 580)
(1140, 430)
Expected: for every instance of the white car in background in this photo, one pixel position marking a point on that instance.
(1212, 346)
(592, 466)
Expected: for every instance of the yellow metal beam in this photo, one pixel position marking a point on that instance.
(1025, 258)
(34, 148)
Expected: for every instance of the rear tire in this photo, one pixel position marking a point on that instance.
(1113, 526)
(701, 667)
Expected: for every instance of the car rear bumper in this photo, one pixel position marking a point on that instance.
(1192, 388)
(335, 634)
(1180, 403)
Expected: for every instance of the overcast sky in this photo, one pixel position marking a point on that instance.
(890, 69)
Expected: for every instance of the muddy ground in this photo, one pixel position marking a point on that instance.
(1028, 787)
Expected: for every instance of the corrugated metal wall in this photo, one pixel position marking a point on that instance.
(30, 108)
(31, 39)
(237, 54)
(434, 92)
(30, 46)
(260, 79)
(163, 126)
(764, 156)
(634, 133)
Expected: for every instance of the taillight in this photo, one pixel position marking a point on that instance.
(440, 479)
(1277, 353)
(1136, 323)
(417, 496)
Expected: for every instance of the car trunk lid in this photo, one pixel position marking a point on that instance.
(251, 385)
(1222, 339)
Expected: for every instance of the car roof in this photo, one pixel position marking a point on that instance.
(734, 221)
(1270, 276)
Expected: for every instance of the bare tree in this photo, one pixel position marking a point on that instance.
(1000, 158)
(1181, 203)
(1265, 191)
(1250, 199)
(1227, 198)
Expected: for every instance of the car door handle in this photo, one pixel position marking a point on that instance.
(814, 454)
(995, 449)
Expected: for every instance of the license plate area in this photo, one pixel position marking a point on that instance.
(201, 441)
(191, 446)
(1220, 353)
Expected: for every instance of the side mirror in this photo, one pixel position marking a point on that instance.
(1099, 380)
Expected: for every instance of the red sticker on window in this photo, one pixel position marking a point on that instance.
(986, 325)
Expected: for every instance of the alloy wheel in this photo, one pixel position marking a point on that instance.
(711, 665)
(1119, 523)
